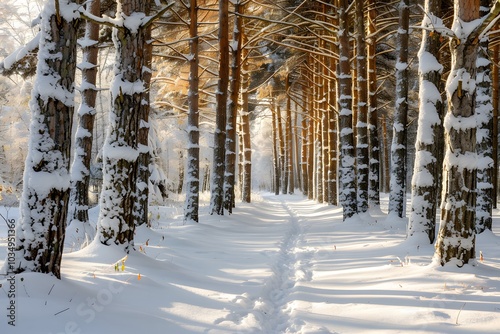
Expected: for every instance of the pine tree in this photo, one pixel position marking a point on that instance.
(191, 209)
(218, 168)
(347, 195)
(397, 198)
(456, 239)
(44, 205)
(425, 192)
(122, 148)
(80, 169)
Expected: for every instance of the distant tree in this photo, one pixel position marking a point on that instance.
(246, 182)
(40, 231)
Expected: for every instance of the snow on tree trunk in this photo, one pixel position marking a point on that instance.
(218, 168)
(427, 170)
(121, 149)
(232, 112)
(276, 156)
(281, 141)
(456, 239)
(484, 135)
(289, 172)
(311, 193)
(191, 208)
(332, 145)
(347, 177)
(246, 187)
(374, 152)
(44, 204)
(362, 158)
(141, 211)
(397, 197)
(80, 169)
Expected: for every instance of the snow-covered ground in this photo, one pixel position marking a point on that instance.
(282, 264)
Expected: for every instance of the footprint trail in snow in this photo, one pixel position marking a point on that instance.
(273, 310)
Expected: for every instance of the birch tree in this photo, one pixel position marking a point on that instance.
(41, 228)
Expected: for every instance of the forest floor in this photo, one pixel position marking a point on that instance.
(282, 264)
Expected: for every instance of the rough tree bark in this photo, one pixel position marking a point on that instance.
(78, 215)
(456, 239)
(218, 168)
(428, 162)
(347, 177)
(362, 155)
(191, 207)
(41, 228)
(397, 197)
(117, 218)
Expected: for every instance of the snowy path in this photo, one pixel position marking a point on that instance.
(273, 309)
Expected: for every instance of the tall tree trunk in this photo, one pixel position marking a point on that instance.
(80, 168)
(44, 204)
(121, 150)
(495, 100)
(456, 239)
(362, 158)
(397, 197)
(276, 150)
(246, 188)
(218, 169)
(318, 143)
(191, 208)
(347, 177)
(282, 153)
(374, 152)
(141, 211)
(425, 192)
(304, 143)
(288, 139)
(311, 194)
(484, 135)
(332, 143)
(232, 111)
